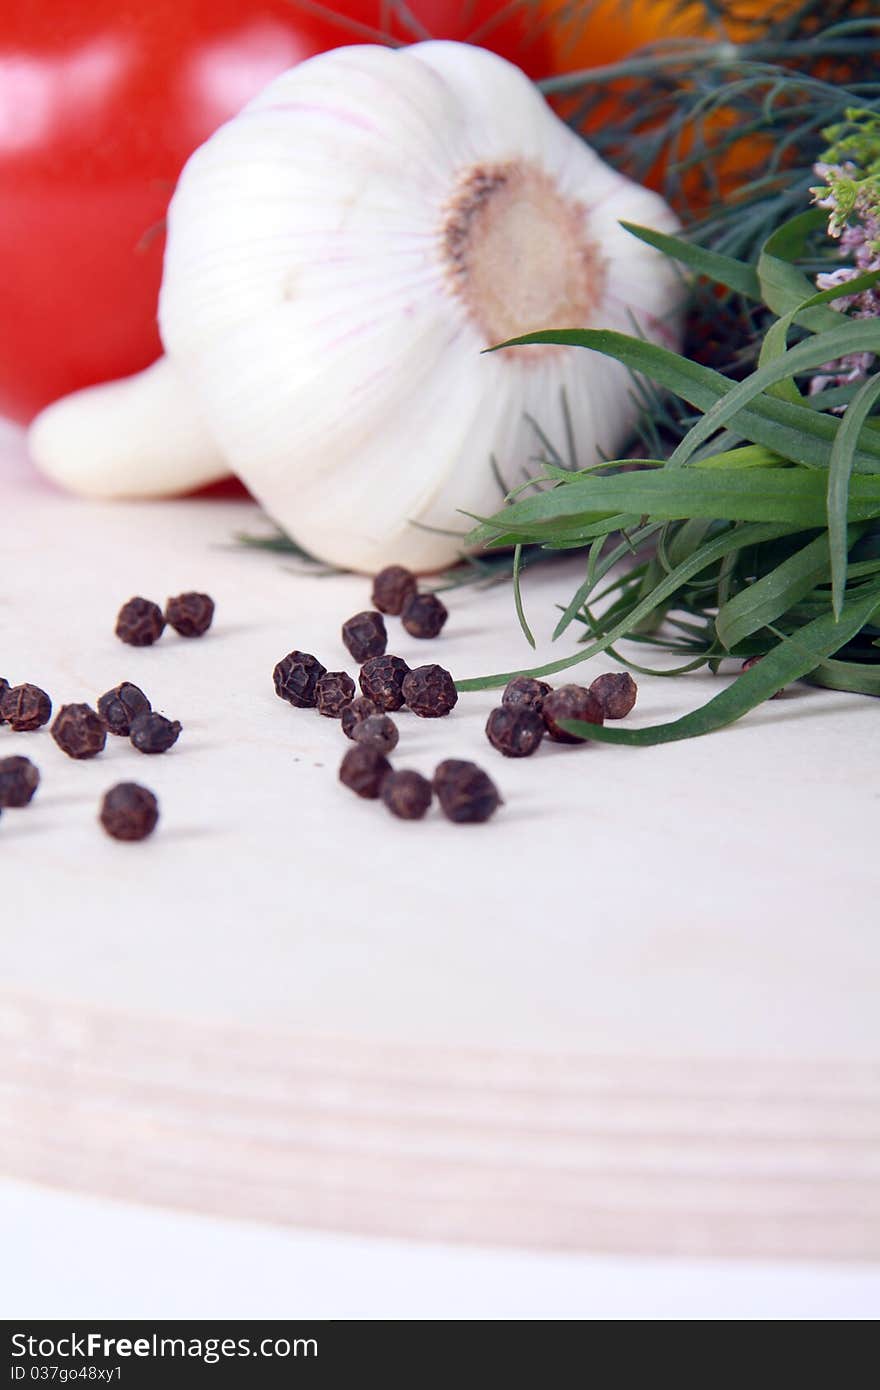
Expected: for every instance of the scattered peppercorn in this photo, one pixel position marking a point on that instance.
(355, 713)
(381, 680)
(153, 733)
(430, 691)
(79, 731)
(424, 615)
(4, 686)
(19, 779)
(190, 614)
(140, 623)
(25, 708)
(523, 690)
(407, 794)
(465, 792)
(515, 730)
(377, 731)
(616, 692)
(365, 636)
(570, 702)
(119, 706)
(392, 587)
(751, 661)
(296, 679)
(364, 770)
(334, 691)
(129, 812)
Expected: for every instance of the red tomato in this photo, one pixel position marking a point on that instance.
(101, 102)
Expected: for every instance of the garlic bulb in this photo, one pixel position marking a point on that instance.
(339, 255)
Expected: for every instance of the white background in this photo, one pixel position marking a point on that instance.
(67, 1257)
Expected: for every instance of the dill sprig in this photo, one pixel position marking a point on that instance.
(730, 128)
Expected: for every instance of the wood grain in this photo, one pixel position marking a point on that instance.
(616, 1154)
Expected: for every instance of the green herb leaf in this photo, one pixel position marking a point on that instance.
(797, 432)
(725, 270)
(840, 482)
(517, 596)
(706, 555)
(857, 677)
(769, 597)
(790, 495)
(793, 658)
(783, 286)
(851, 336)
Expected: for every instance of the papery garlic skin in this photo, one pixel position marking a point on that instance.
(338, 257)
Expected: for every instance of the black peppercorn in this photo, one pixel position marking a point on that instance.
(118, 707)
(79, 731)
(430, 691)
(4, 686)
(296, 679)
(190, 614)
(355, 713)
(515, 730)
(465, 792)
(153, 733)
(140, 623)
(334, 691)
(364, 770)
(392, 587)
(407, 794)
(377, 731)
(616, 692)
(424, 615)
(365, 636)
(751, 661)
(25, 708)
(129, 812)
(381, 680)
(19, 779)
(523, 690)
(570, 702)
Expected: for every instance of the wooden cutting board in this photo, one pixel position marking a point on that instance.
(636, 1012)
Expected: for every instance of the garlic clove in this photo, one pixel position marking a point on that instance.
(139, 437)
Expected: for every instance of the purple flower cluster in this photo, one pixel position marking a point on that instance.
(858, 231)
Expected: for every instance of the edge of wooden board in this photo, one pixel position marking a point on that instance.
(698, 1157)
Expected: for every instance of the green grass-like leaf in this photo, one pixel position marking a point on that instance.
(763, 602)
(797, 432)
(840, 484)
(705, 555)
(792, 658)
(794, 496)
(852, 336)
(724, 270)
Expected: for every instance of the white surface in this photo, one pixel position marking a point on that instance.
(67, 1257)
(637, 1010)
(669, 900)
